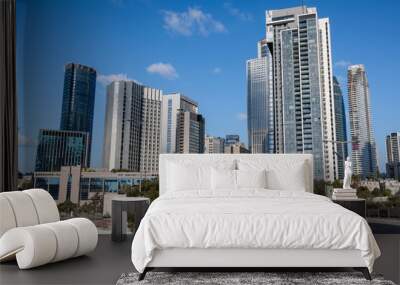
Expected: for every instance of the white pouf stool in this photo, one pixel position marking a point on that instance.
(31, 230)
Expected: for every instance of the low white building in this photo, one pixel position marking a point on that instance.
(74, 184)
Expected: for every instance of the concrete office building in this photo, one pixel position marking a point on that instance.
(393, 155)
(189, 132)
(132, 133)
(260, 113)
(214, 144)
(122, 131)
(302, 86)
(171, 104)
(59, 148)
(78, 100)
(341, 129)
(151, 130)
(362, 136)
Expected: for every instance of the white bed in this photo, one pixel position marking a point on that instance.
(202, 220)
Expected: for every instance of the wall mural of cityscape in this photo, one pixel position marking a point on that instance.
(106, 132)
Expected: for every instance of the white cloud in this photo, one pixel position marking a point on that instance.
(194, 20)
(164, 69)
(107, 79)
(241, 116)
(217, 70)
(237, 13)
(342, 63)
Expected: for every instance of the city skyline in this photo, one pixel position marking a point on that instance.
(224, 79)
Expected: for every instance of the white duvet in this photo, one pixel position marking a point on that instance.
(250, 219)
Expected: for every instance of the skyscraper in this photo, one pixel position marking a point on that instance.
(214, 144)
(327, 101)
(78, 100)
(61, 148)
(171, 104)
(132, 133)
(362, 136)
(341, 129)
(260, 114)
(122, 130)
(151, 130)
(189, 132)
(302, 86)
(393, 155)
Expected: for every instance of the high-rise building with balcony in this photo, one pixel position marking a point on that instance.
(132, 133)
(341, 129)
(214, 144)
(362, 135)
(61, 148)
(260, 115)
(171, 104)
(303, 104)
(78, 100)
(393, 155)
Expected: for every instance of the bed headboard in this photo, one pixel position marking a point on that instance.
(204, 159)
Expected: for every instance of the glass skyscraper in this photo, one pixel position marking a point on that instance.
(61, 148)
(78, 100)
(260, 122)
(341, 129)
(363, 142)
(302, 86)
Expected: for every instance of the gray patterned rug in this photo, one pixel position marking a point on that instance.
(228, 278)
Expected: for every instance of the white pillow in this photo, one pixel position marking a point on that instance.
(223, 179)
(251, 178)
(293, 179)
(282, 174)
(184, 177)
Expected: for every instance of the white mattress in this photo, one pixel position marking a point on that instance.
(250, 219)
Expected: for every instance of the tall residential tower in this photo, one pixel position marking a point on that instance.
(302, 86)
(341, 129)
(362, 136)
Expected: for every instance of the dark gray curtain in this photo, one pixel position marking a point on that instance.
(8, 98)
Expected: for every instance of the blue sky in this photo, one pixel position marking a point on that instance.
(198, 48)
